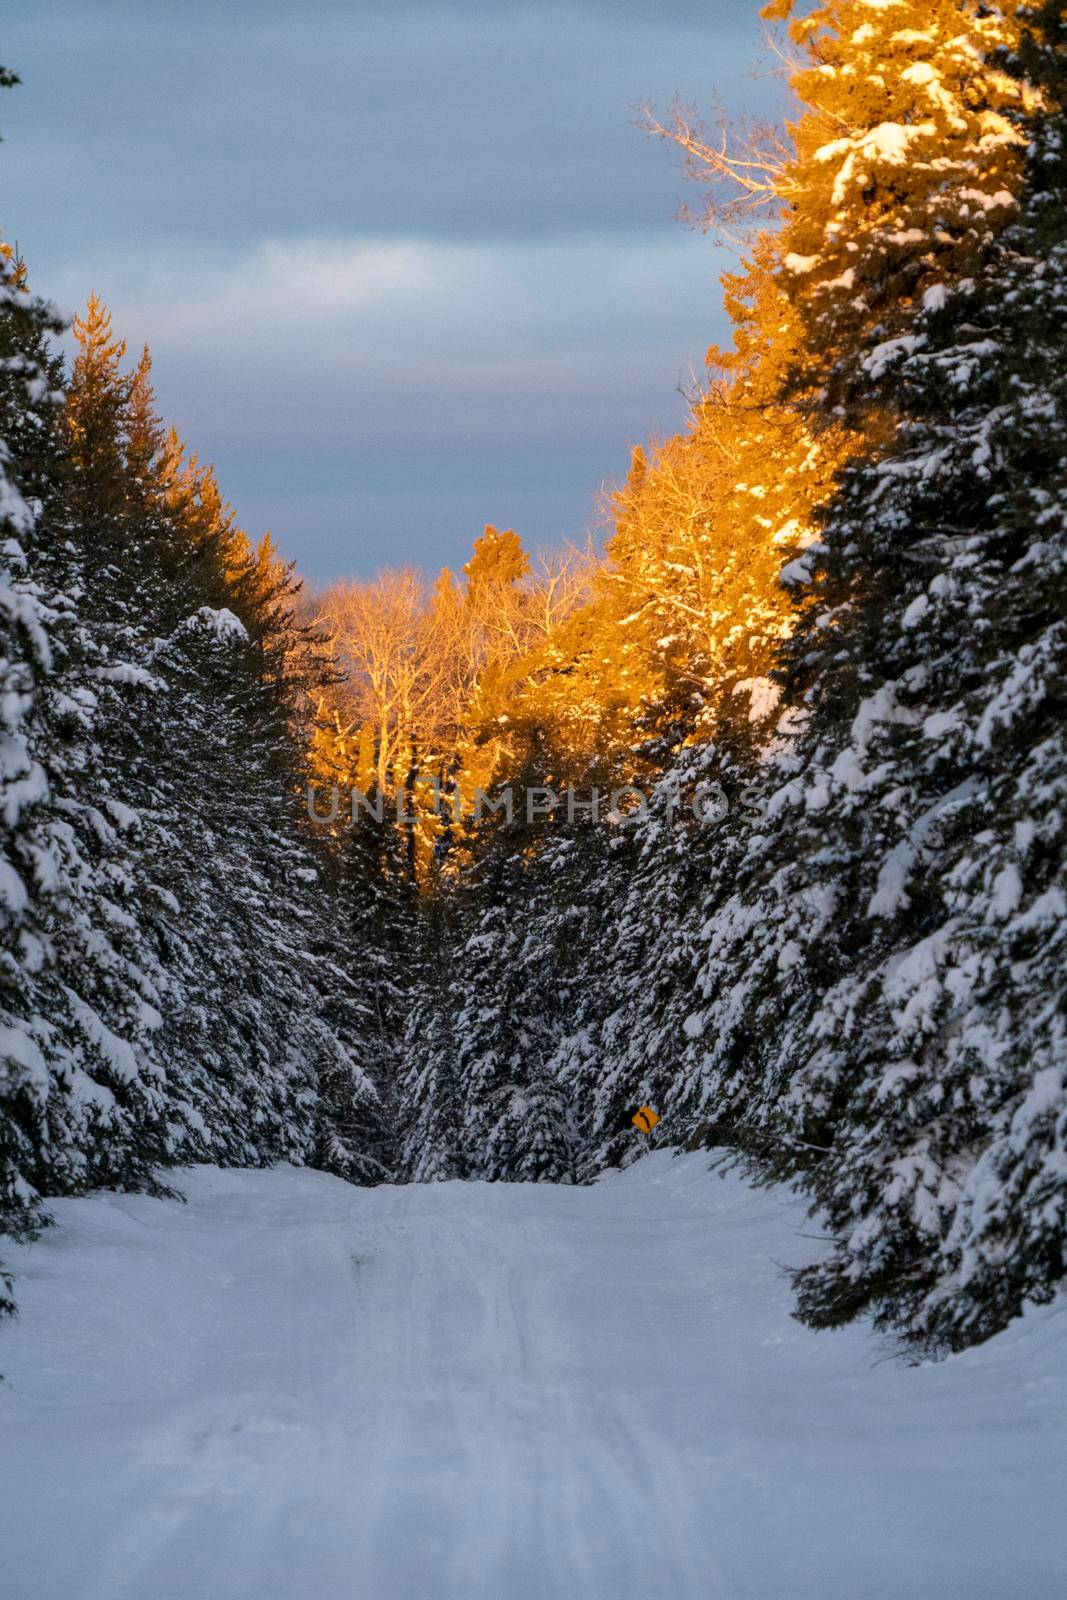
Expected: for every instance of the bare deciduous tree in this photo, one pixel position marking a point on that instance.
(412, 656)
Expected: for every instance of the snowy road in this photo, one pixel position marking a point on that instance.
(293, 1390)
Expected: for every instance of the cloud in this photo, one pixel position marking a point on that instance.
(395, 263)
(366, 395)
(450, 340)
(428, 119)
(366, 299)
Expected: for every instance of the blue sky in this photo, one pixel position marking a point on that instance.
(404, 270)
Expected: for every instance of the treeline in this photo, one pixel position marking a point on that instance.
(840, 597)
(173, 936)
(417, 711)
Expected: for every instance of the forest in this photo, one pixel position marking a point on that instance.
(261, 899)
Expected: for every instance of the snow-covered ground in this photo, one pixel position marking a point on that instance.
(289, 1389)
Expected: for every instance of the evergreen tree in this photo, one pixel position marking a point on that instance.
(168, 994)
(868, 964)
(506, 1022)
(935, 775)
(28, 866)
(431, 1100)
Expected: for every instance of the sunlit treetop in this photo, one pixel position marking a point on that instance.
(907, 156)
(498, 558)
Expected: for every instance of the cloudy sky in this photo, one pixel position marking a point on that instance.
(404, 268)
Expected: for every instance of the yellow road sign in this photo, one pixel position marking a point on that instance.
(645, 1119)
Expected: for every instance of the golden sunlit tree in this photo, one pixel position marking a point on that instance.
(899, 171)
(427, 673)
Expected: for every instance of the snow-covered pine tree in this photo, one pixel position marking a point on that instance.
(507, 1018)
(374, 944)
(512, 969)
(93, 1114)
(876, 1009)
(934, 795)
(165, 995)
(904, 168)
(27, 865)
(637, 1018)
(240, 892)
(431, 1104)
